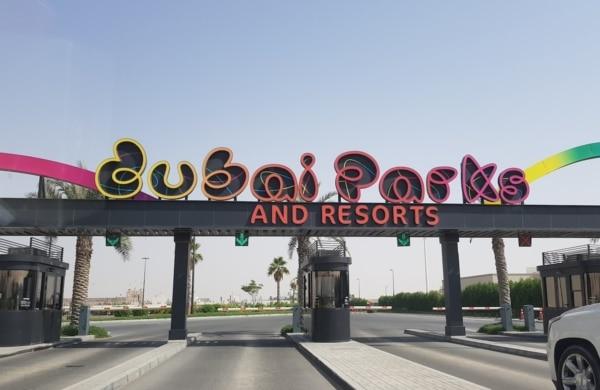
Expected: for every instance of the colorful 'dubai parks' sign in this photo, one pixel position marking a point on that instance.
(121, 177)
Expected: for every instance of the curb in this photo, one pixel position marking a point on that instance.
(127, 372)
(526, 335)
(336, 379)
(41, 347)
(532, 353)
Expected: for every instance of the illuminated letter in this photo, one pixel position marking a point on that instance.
(158, 179)
(274, 183)
(344, 214)
(401, 185)
(399, 214)
(354, 171)
(120, 177)
(296, 219)
(433, 219)
(438, 183)
(278, 213)
(362, 214)
(327, 213)
(259, 213)
(223, 180)
(386, 214)
(417, 210)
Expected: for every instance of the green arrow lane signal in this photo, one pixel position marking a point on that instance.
(113, 239)
(403, 239)
(241, 239)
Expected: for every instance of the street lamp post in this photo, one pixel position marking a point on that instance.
(425, 257)
(144, 283)
(358, 279)
(393, 283)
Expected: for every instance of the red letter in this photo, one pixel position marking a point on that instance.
(417, 210)
(344, 214)
(433, 218)
(277, 213)
(296, 220)
(386, 214)
(259, 213)
(362, 214)
(327, 212)
(399, 214)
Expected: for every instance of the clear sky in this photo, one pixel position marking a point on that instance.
(413, 83)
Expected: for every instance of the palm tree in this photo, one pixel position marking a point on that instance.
(301, 245)
(501, 270)
(55, 189)
(293, 287)
(195, 258)
(278, 269)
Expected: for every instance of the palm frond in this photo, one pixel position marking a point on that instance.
(292, 244)
(125, 248)
(326, 197)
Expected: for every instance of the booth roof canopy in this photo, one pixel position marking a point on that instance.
(206, 218)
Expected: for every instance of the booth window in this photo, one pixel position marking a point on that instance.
(562, 292)
(16, 289)
(330, 289)
(52, 293)
(593, 279)
(577, 290)
(550, 291)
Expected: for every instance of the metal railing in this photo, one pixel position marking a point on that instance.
(327, 247)
(35, 247)
(576, 253)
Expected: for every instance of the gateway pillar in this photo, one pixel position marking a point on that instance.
(452, 290)
(181, 270)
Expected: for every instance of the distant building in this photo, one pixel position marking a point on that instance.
(467, 281)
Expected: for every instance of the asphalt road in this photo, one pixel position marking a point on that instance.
(248, 353)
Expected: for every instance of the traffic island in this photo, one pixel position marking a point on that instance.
(520, 350)
(125, 373)
(354, 365)
(16, 350)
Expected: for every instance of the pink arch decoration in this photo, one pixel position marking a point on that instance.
(55, 170)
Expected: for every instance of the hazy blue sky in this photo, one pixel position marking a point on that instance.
(412, 83)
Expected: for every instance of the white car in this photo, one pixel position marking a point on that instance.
(573, 345)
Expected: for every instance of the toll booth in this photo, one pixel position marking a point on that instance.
(31, 292)
(570, 279)
(326, 309)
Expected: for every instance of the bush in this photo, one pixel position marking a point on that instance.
(497, 328)
(123, 313)
(140, 312)
(525, 292)
(99, 332)
(287, 329)
(481, 294)
(72, 330)
(208, 308)
(69, 330)
(416, 301)
(358, 302)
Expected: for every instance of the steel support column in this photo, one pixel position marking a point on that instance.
(452, 290)
(181, 270)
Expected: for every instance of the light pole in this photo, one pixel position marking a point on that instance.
(393, 283)
(425, 257)
(144, 284)
(358, 279)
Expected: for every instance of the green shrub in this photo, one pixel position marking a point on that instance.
(417, 301)
(491, 329)
(287, 329)
(123, 313)
(208, 308)
(139, 312)
(480, 294)
(358, 302)
(525, 292)
(99, 332)
(69, 330)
